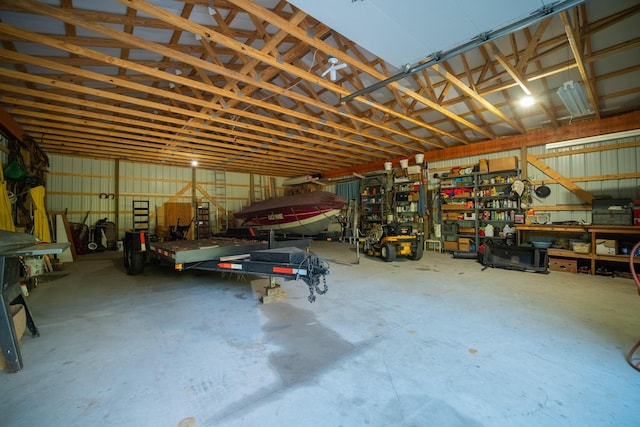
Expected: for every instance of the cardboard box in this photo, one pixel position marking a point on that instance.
(503, 164)
(453, 207)
(464, 244)
(606, 246)
(462, 195)
(450, 246)
(414, 170)
(19, 324)
(566, 265)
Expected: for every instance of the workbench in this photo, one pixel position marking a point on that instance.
(12, 247)
(529, 232)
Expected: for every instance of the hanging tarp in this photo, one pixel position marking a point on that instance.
(40, 220)
(6, 220)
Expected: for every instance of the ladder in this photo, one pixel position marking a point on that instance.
(221, 218)
(141, 216)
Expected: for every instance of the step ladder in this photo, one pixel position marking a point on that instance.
(141, 216)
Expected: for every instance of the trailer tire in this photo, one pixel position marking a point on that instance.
(133, 260)
(388, 252)
(417, 253)
(125, 253)
(136, 263)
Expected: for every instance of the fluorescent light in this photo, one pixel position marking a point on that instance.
(573, 98)
(592, 139)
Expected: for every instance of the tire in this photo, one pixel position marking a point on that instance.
(417, 253)
(126, 249)
(388, 252)
(136, 263)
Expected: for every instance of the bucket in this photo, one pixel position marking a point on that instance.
(404, 163)
(388, 166)
(419, 158)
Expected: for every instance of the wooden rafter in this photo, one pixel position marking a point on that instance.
(576, 49)
(251, 96)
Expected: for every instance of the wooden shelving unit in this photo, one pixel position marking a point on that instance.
(203, 221)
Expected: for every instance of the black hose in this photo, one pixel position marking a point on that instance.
(636, 279)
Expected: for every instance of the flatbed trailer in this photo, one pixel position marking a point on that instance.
(288, 259)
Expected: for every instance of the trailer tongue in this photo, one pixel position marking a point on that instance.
(288, 259)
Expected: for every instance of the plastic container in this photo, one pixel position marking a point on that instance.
(488, 230)
(581, 247)
(541, 245)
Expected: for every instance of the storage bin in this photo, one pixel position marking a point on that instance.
(581, 247)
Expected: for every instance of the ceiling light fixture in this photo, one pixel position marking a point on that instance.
(211, 9)
(593, 139)
(194, 163)
(527, 101)
(573, 98)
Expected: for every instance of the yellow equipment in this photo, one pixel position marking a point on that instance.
(392, 240)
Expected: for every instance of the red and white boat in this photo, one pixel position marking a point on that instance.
(305, 214)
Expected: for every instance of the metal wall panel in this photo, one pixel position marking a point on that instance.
(75, 185)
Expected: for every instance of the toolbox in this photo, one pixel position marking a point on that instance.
(612, 212)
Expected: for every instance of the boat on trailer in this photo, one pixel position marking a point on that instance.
(304, 214)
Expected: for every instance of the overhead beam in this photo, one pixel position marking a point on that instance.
(581, 129)
(576, 49)
(481, 39)
(9, 124)
(278, 21)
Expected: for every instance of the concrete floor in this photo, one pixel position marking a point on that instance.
(436, 342)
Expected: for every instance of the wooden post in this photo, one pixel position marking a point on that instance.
(524, 163)
(116, 191)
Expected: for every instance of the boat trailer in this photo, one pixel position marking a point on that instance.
(288, 259)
